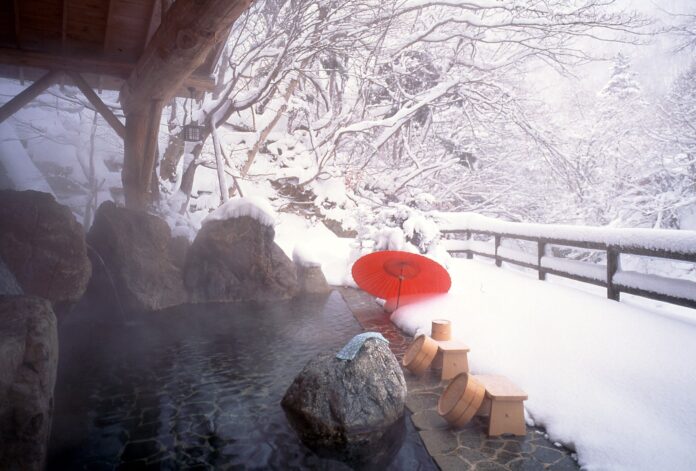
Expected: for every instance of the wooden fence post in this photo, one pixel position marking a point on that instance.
(541, 251)
(612, 267)
(467, 236)
(498, 261)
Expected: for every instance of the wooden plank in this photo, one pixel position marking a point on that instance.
(41, 23)
(94, 99)
(129, 22)
(64, 26)
(499, 387)
(642, 251)
(17, 24)
(93, 65)
(107, 29)
(31, 92)
(186, 35)
(572, 276)
(152, 23)
(86, 26)
(82, 64)
(657, 296)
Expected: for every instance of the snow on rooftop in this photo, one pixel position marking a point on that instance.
(253, 206)
(655, 239)
(614, 381)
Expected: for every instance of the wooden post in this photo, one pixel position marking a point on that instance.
(28, 94)
(140, 149)
(498, 261)
(467, 236)
(612, 268)
(188, 31)
(541, 251)
(180, 44)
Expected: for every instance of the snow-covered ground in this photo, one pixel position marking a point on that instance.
(614, 381)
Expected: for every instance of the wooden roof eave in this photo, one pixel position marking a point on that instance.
(86, 65)
(181, 44)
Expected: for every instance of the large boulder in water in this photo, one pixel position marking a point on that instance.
(28, 362)
(311, 280)
(348, 406)
(236, 260)
(134, 246)
(43, 246)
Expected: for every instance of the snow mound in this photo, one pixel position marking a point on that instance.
(312, 244)
(253, 206)
(613, 380)
(305, 255)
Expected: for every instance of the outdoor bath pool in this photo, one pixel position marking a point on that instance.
(196, 387)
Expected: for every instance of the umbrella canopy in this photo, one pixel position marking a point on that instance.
(392, 274)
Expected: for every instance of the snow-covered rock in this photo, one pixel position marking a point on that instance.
(254, 207)
(236, 259)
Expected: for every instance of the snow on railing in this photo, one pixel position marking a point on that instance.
(662, 243)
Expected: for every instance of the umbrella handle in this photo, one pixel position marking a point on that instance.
(398, 294)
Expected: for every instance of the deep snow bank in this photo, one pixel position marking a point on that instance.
(615, 381)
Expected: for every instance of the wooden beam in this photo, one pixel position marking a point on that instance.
(94, 99)
(28, 94)
(64, 27)
(17, 24)
(90, 65)
(107, 28)
(152, 23)
(80, 64)
(185, 36)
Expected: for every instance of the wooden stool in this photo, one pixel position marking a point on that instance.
(504, 406)
(452, 358)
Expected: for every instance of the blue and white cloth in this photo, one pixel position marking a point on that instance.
(354, 345)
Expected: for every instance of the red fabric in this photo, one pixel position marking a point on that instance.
(378, 274)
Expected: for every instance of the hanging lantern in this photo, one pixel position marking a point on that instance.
(192, 132)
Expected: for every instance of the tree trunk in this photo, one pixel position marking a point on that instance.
(220, 166)
(251, 155)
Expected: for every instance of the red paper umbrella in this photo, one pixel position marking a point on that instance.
(390, 274)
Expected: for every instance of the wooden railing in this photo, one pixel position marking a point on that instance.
(670, 290)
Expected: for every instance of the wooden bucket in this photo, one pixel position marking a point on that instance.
(461, 400)
(441, 329)
(420, 354)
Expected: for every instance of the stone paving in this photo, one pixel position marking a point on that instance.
(467, 448)
(197, 387)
